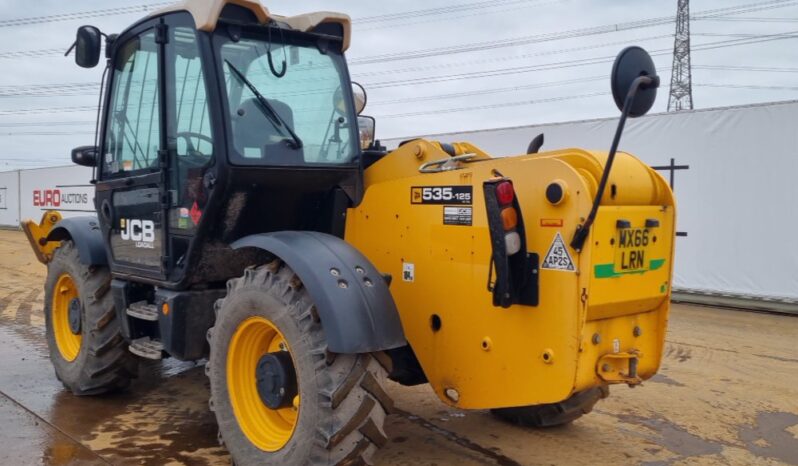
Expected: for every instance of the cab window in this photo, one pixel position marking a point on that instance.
(132, 136)
(289, 101)
(189, 135)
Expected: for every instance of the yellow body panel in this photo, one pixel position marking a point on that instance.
(522, 355)
(37, 235)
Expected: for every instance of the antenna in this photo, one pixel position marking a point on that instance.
(681, 95)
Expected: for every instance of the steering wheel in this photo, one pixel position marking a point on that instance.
(188, 135)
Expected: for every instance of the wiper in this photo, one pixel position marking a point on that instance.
(273, 116)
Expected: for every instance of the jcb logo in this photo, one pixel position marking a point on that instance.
(140, 231)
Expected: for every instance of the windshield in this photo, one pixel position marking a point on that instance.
(290, 108)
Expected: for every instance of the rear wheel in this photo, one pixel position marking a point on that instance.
(278, 395)
(554, 414)
(86, 347)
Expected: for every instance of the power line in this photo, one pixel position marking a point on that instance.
(487, 73)
(460, 64)
(66, 89)
(494, 106)
(561, 98)
(45, 124)
(569, 34)
(37, 111)
(754, 20)
(46, 133)
(770, 69)
(749, 86)
(569, 63)
(31, 53)
(462, 109)
(81, 15)
(447, 10)
(482, 92)
(488, 45)
(450, 17)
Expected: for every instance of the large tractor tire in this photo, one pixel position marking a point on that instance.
(280, 398)
(87, 350)
(554, 414)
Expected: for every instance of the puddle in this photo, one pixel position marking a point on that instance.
(162, 418)
(673, 437)
(662, 378)
(772, 436)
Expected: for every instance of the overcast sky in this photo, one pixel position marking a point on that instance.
(722, 76)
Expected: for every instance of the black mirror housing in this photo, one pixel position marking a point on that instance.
(632, 63)
(88, 46)
(367, 128)
(86, 156)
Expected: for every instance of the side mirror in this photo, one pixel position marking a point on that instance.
(366, 129)
(634, 83)
(360, 96)
(88, 46)
(85, 156)
(633, 63)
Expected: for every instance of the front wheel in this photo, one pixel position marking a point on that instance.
(87, 349)
(278, 395)
(554, 414)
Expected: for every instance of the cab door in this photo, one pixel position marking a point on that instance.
(191, 147)
(131, 197)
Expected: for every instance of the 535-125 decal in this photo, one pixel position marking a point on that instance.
(441, 195)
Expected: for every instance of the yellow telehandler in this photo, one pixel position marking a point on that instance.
(246, 214)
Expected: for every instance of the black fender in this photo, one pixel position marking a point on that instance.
(352, 298)
(86, 234)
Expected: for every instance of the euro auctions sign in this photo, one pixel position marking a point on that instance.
(65, 189)
(58, 197)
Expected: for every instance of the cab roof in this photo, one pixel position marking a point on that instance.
(206, 14)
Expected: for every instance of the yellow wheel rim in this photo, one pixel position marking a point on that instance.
(268, 429)
(67, 342)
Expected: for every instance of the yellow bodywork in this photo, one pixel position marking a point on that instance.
(37, 235)
(589, 323)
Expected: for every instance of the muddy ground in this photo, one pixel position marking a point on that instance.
(727, 394)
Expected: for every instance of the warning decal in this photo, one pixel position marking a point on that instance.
(558, 257)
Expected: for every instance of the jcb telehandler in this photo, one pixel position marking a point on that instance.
(245, 214)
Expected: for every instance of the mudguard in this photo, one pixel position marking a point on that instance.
(86, 234)
(352, 298)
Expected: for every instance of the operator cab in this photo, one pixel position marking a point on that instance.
(221, 120)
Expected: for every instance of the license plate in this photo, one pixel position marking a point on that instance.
(631, 249)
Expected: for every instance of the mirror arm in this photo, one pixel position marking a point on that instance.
(583, 230)
(71, 48)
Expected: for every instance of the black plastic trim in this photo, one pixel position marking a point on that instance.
(356, 309)
(85, 233)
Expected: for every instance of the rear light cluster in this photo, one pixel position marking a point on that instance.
(505, 194)
(513, 272)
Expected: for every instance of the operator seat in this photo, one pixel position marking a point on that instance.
(256, 137)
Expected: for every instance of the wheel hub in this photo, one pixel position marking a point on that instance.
(74, 316)
(276, 380)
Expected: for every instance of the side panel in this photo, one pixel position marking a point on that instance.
(439, 250)
(351, 296)
(493, 357)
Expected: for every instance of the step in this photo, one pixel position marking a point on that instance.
(143, 310)
(147, 348)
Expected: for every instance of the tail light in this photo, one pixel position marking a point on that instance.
(516, 278)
